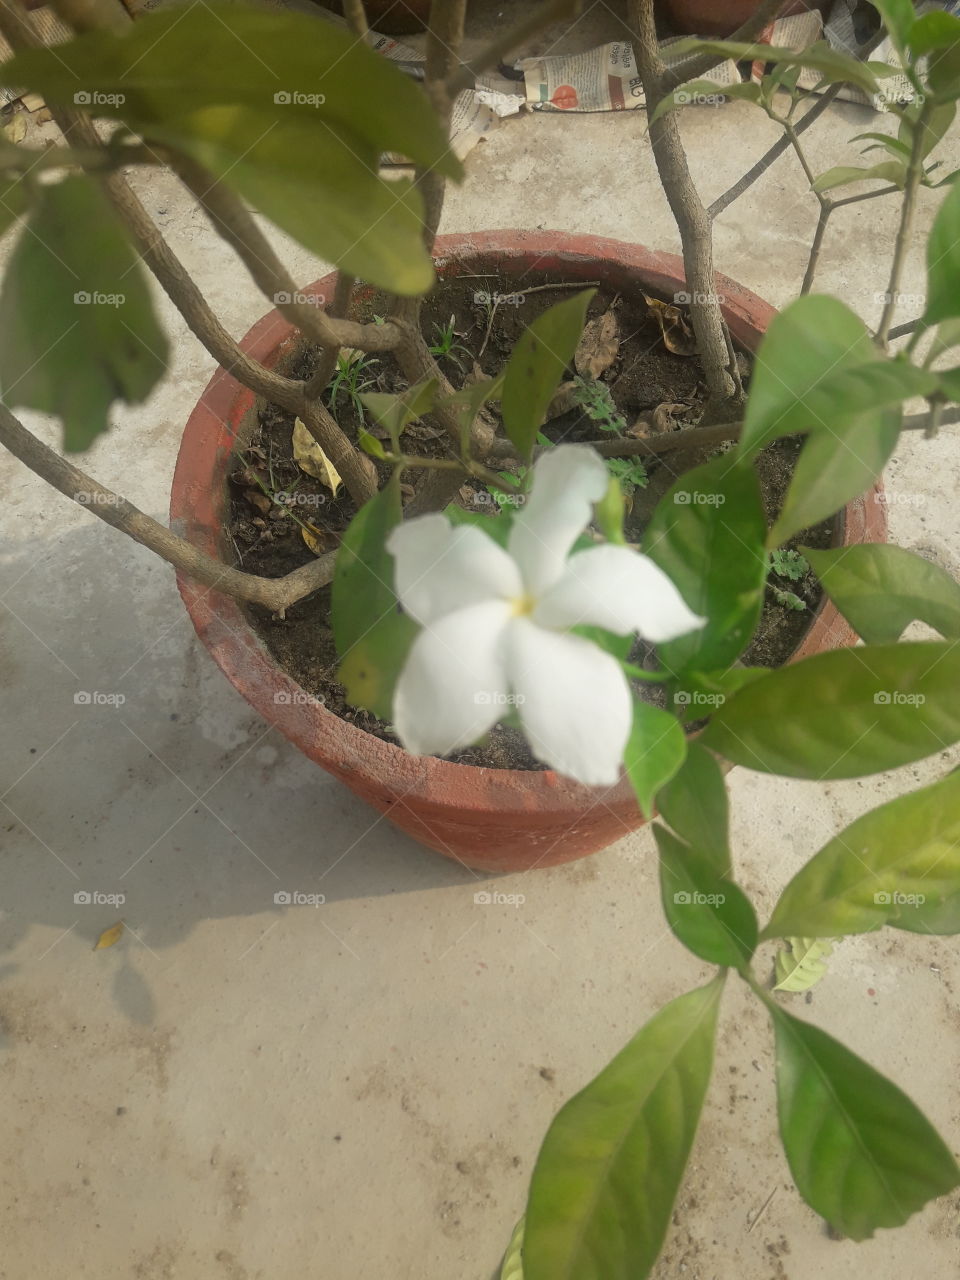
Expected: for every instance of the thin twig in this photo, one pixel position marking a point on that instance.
(826, 208)
(340, 309)
(902, 246)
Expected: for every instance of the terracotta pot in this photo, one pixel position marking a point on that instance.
(493, 819)
(391, 17)
(722, 17)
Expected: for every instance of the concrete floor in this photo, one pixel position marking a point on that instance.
(358, 1091)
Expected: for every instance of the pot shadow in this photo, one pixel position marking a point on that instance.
(136, 783)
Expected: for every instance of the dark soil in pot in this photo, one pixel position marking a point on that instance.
(271, 538)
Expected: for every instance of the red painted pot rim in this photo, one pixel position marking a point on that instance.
(199, 498)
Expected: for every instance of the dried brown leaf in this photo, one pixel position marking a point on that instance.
(599, 346)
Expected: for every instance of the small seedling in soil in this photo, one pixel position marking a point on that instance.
(444, 344)
(789, 600)
(350, 380)
(631, 473)
(596, 401)
(789, 564)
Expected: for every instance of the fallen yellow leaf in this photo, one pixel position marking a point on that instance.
(314, 539)
(310, 458)
(110, 937)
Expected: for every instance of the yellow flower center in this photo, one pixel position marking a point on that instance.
(523, 606)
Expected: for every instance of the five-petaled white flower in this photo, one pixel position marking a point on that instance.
(497, 625)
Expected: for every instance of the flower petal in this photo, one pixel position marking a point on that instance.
(441, 568)
(567, 481)
(453, 686)
(621, 590)
(574, 702)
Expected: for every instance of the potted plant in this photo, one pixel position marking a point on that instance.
(601, 635)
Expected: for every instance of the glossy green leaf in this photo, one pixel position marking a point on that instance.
(935, 126)
(709, 914)
(943, 261)
(894, 171)
(371, 634)
(844, 714)
(694, 91)
(275, 62)
(694, 802)
(317, 183)
(934, 30)
(396, 412)
(898, 862)
(836, 465)
(898, 17)
(811, 340)
(896, 146)
(801, 964)
(880, 589)
(707, 534)
(862, 1155)
(834, 67)
(655, 751)
(79, 330)
(512, 1268)
(611, 1163)
(545, 350)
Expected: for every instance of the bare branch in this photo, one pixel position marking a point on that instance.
(902, 245)
(339, 309)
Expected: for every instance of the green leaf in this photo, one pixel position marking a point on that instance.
(708, 913)
(834, 67)
(275, 62)
(880, 589)
(898, 862)
(655, 751)
(395, 412)
(611, 1163)
(896, 146)
(468, 401)
(898, 17)
(370, 444)
(317, 183)
(694, 802)
(862, 1155)
(812, 339)
(707, 534)
(689, 93)
(943, 262)
(835, 466)
(894, 171)
(512, 1268)
(844, 714)
(801, 964)
(372, 636)
(494, 526)
(536, 367)
(934, 30)
(79, 331)
(935, 126)
(13, 202)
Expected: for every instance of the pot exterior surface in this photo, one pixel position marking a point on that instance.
(491, 819)
(723, 17)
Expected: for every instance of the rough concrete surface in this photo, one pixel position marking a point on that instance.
(357, 1091)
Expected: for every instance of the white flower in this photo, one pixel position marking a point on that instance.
(497, 625)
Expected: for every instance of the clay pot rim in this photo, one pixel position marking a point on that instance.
(198, 501)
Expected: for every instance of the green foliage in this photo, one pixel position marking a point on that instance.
(79, 330)
(880, 589)
(943, 262)
(844, 714)
(630, 472)
(789, 600)
(789, 564)
(834, 67)
(708, 913)
(395, 412)
(512, 1268)
(906, 867)
(536, 366)
(707, 534)
(445, 345)
(694, 802)
(350, 380)
(801, 964)
(611, 1163)
(596, 400)
(654, 752)
(371, 634)
(860, 1152)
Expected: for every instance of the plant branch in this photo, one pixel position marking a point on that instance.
(902, 246)
(356, 15)
(697, 65)
(340, 309)
(277, 594)
(826, 208)
(513, 38)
